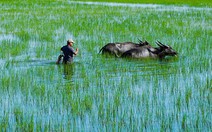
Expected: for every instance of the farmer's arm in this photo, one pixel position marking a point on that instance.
(76, 52)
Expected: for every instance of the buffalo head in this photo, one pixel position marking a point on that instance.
(163, 50)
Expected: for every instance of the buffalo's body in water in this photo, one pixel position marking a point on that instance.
(118, 49)
(148, 51)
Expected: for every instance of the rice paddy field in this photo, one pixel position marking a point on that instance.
(98, 93)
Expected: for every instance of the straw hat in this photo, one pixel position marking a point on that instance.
(70, 41)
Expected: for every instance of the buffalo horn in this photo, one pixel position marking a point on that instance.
(140, 41)
(159, 44)
(162, 45)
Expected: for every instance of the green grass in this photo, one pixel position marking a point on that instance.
(100, 93)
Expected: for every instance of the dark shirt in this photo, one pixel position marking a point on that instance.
(68, 52)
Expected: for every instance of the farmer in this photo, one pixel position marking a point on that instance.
(68, 53)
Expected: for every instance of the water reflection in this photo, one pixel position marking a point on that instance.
(68, 71)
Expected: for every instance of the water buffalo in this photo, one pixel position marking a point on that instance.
(118, 49)
(148, 51)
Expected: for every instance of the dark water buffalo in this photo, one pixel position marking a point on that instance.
(148, 51)
(118, 49)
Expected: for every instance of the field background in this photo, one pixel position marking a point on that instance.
(207, 3)
(100, 93)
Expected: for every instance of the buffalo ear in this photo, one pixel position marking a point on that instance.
(146, 42)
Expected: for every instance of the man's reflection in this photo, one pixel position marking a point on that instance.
(68, 71)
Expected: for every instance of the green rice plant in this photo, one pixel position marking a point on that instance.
(4, 122)
(178, 103)
(12, 48)
(87, 102)
(183, 125)
(188, 95)
(18, 115)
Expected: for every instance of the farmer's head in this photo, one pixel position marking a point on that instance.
(70, 42)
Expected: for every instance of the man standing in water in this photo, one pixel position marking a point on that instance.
(68, 52)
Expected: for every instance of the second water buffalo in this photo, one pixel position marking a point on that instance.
(148, 51)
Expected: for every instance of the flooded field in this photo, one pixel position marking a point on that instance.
(99, 93)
